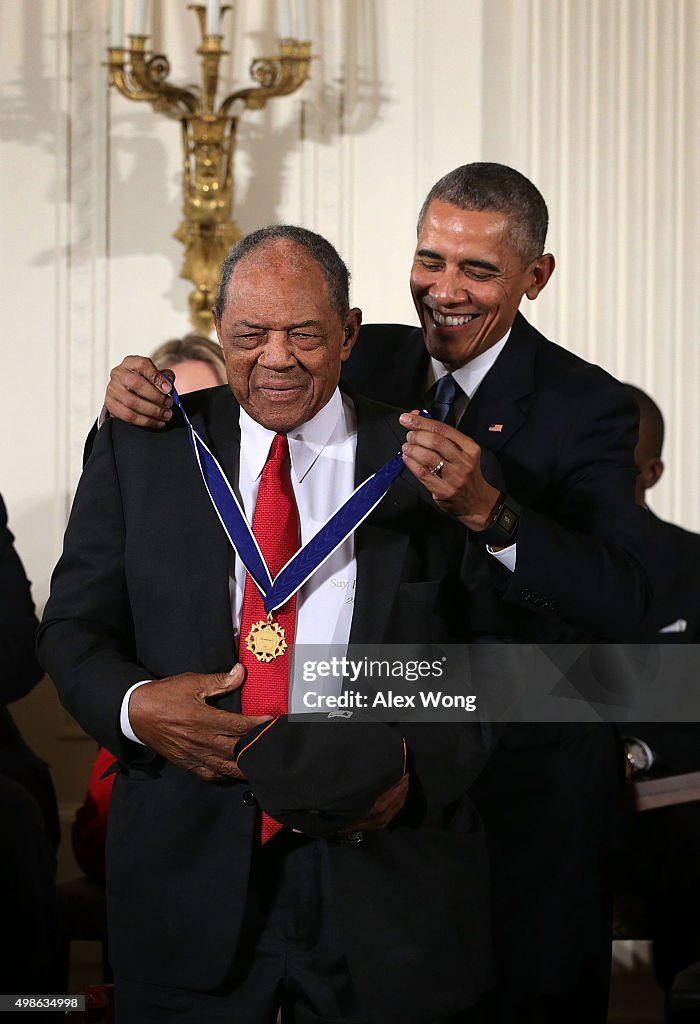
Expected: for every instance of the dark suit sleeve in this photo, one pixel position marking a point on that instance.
(86, 633)
(581, 548)
(90, 442)
(19, 668)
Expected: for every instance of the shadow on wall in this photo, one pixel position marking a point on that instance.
(28, 103)
(329, 107)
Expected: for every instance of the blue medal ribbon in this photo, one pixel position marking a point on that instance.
(312, 555)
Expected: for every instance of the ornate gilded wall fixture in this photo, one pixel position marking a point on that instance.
(207, 229)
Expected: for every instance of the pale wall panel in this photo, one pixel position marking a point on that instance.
(597, 102)
(33, 224)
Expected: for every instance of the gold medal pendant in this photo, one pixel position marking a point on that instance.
(266, 639)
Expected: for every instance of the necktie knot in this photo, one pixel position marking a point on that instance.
(279, 449)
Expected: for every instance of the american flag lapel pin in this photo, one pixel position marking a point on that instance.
(496, 428)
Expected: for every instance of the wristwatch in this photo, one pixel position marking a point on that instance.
(502, 529)
(640, 756)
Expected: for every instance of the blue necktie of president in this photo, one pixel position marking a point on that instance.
(442, 405)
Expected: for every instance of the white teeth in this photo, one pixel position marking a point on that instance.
(452, 321)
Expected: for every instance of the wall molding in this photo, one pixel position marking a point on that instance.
(88, 226)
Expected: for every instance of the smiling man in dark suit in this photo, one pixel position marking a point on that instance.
(208, 921)
(534, 458)
(555, 552)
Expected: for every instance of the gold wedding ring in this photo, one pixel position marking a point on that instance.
(437, 470)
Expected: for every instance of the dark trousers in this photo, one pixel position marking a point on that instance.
(289, 956)
(552, 815)
(27, 867)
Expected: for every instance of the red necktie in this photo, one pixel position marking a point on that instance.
(276, 529)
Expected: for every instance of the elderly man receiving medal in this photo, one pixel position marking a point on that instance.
(334, 871)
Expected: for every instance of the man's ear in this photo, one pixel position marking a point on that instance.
(351, 329)
(651, 472)
(216, 325)
(540, 271)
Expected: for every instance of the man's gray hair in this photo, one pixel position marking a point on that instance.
(320, 249)
(487, 186)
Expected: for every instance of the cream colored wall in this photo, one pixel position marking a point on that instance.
(596, 100)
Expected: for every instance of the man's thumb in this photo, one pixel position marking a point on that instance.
(223, 682)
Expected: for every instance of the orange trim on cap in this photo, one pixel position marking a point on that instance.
(256, 738)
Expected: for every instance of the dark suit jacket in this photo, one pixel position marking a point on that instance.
(674, 568)
(141, 591)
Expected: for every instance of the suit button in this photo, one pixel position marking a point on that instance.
(249, 798)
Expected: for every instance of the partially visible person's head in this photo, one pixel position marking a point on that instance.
(284, 321)
(481, 236)
(198, 362)
(647, 454)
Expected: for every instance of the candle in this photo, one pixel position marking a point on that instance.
(284, 18)
(116, 34)
(138, 18)
(303, 15)
(212, 22)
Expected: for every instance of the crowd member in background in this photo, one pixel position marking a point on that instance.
(197, 362)
(556, 552)
(675, 560)
(29, 830)
(663, 845)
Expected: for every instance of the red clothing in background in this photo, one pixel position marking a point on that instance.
(90, 824)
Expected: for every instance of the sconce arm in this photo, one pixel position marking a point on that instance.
(147, 81)
(276, 76)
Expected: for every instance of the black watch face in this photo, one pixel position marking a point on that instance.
(508, 519)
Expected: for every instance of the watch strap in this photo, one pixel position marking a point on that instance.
(502, 529)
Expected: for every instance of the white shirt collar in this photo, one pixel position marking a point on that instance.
(306, 442)
(470, 376)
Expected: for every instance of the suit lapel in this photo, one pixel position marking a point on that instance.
(379, 547)
(499, 407)
(215, 416)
